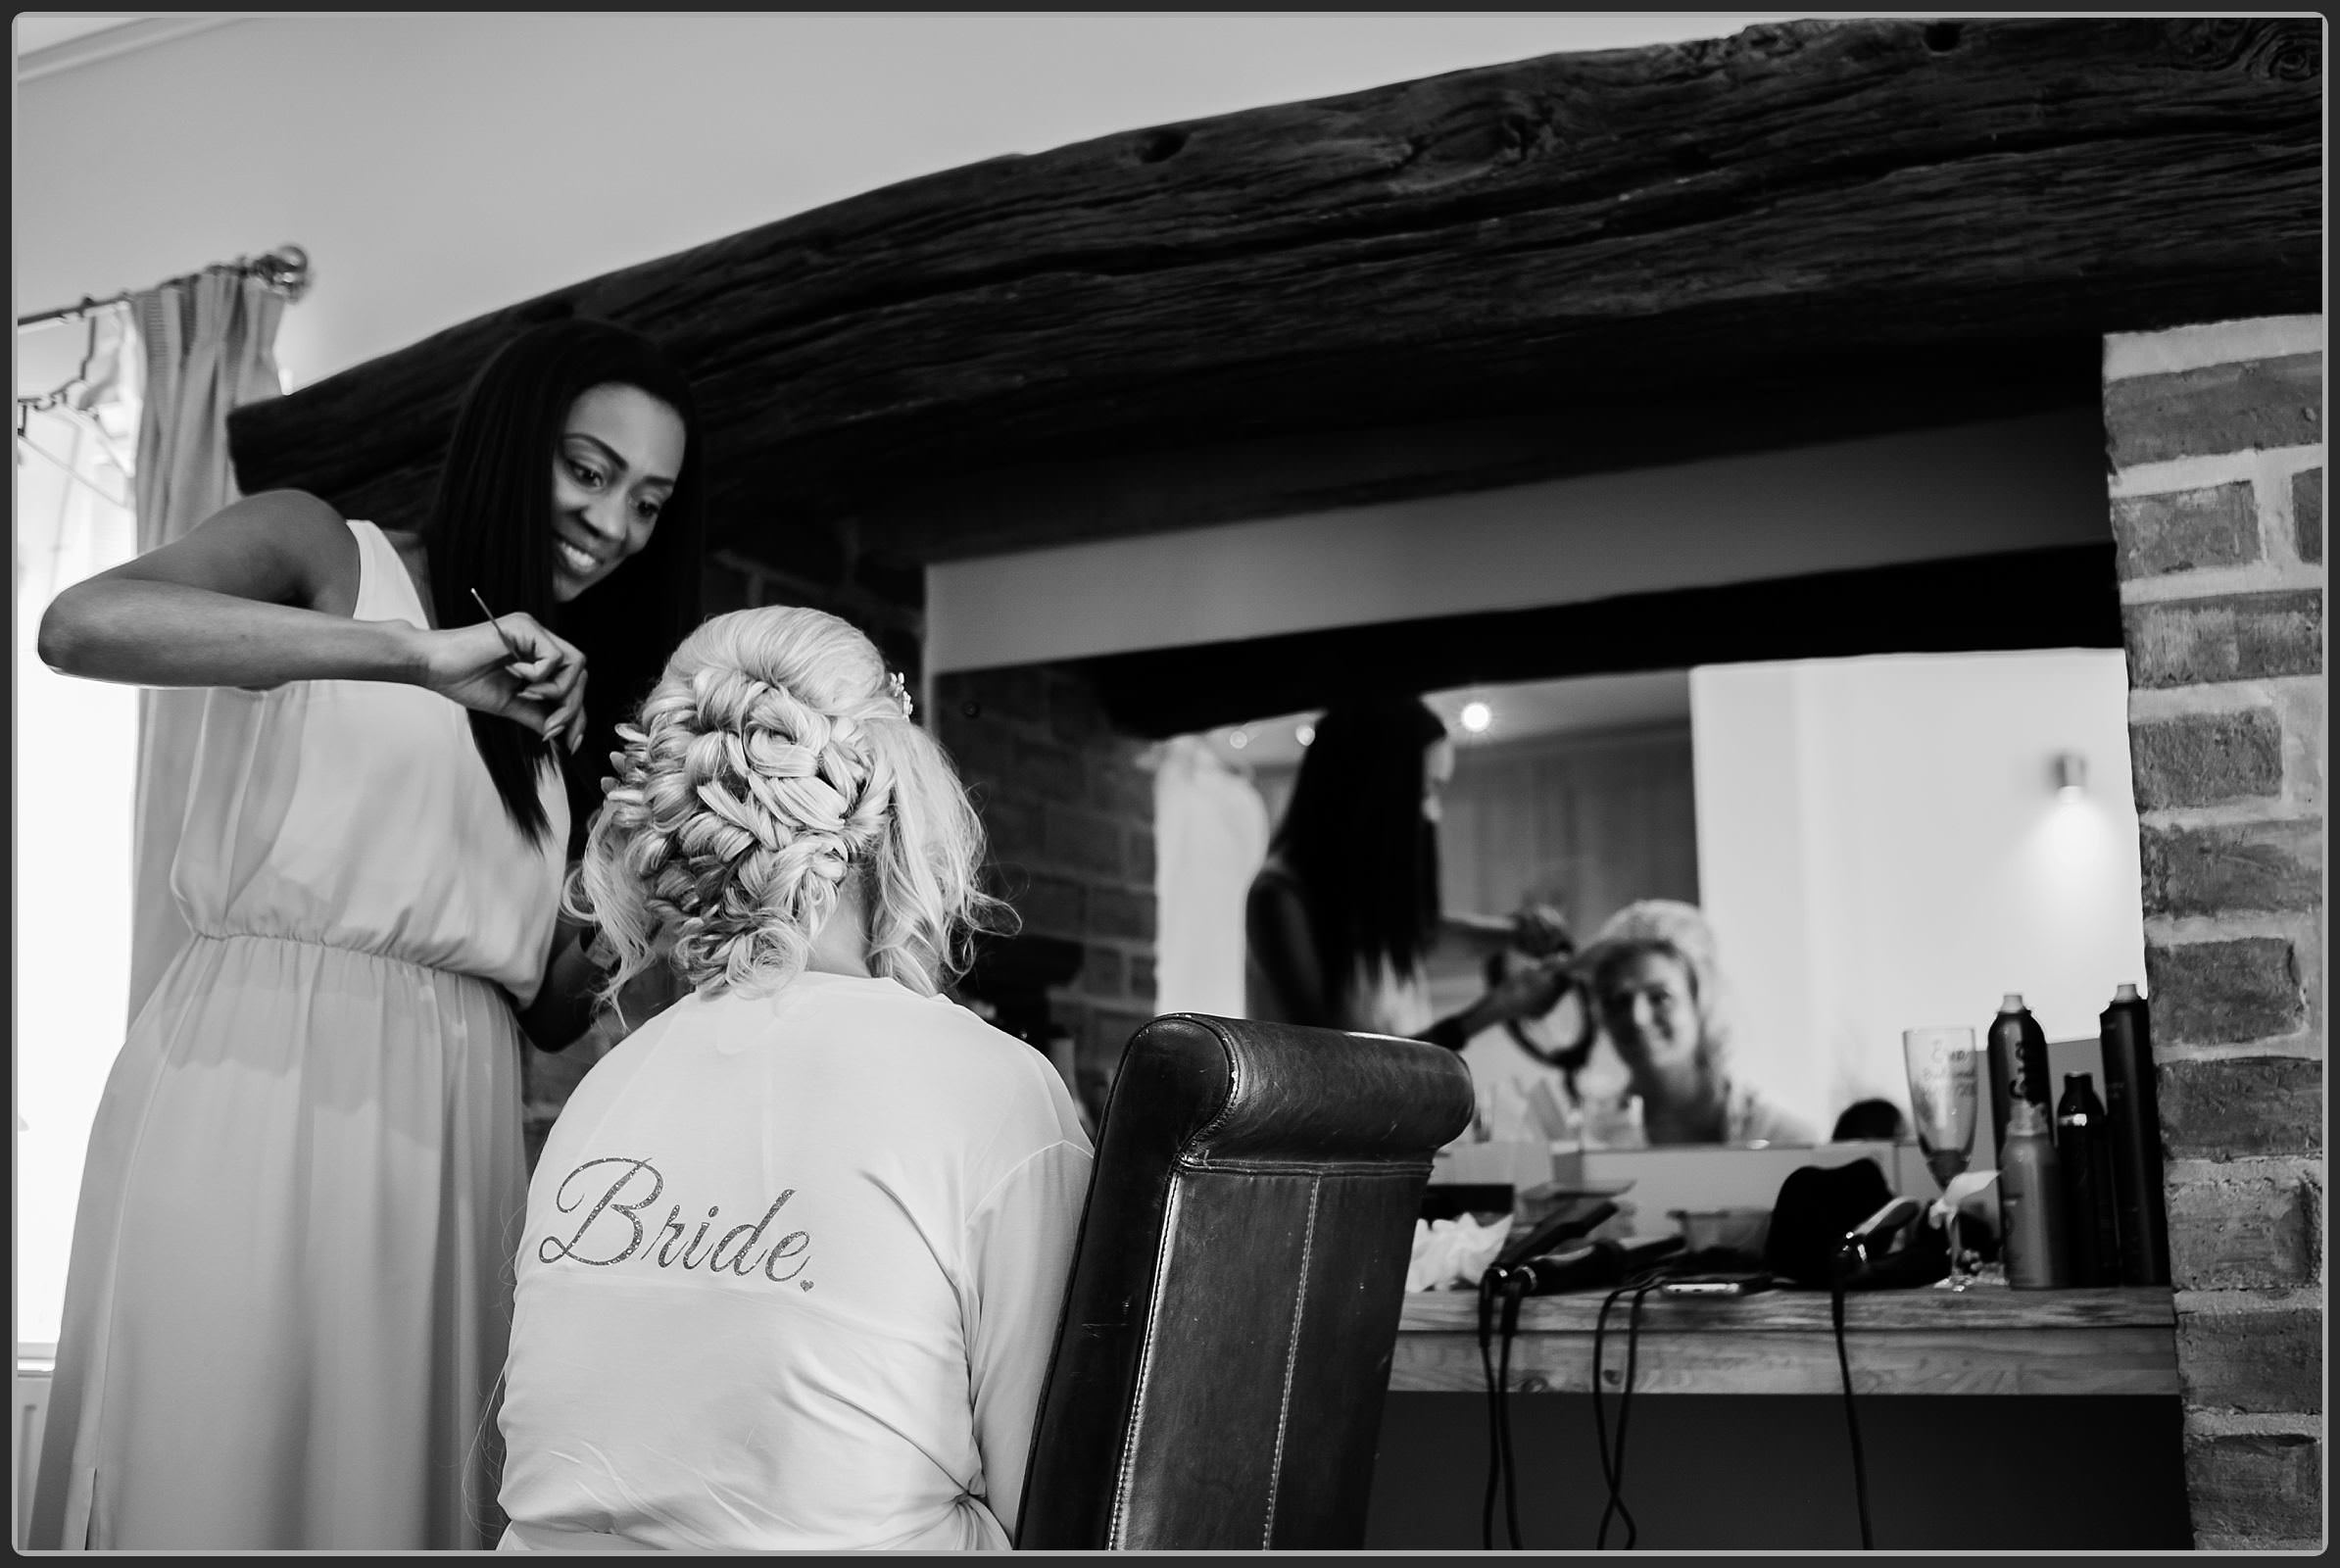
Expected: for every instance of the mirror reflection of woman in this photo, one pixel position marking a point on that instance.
(290, 1280)
(1341, 920)
(1657, 991)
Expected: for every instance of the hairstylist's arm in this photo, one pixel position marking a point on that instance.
(567, 1001)
(564, 1006)
(263, 592)
(1539, 932)
(1284, 952)
(1528, 994)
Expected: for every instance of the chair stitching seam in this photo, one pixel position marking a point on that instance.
(1392, 1169)
(1154, 1318)
(1292, 1354)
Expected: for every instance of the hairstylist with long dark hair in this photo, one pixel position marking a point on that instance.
(1343, 916)
(291, 1282)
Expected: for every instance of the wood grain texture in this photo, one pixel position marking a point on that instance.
(1985, 1342)
(1804, 1311)
(1605, 227)
(2008, 1361)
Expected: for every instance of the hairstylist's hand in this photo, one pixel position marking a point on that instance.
(541, 686)
(650, 993)
(1541, 931)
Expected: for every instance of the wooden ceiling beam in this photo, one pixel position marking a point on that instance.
(1602, 230)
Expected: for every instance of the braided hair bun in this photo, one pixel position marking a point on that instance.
(773, 762)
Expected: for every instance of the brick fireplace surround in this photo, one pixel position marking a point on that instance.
(2214, 437)
(2215, 442)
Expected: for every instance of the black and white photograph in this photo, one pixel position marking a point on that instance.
(1336, 781)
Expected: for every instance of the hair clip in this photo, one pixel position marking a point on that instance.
(900, 689)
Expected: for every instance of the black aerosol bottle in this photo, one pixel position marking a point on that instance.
(2132, 1109)
(2084, 1149)
(2018, 1055)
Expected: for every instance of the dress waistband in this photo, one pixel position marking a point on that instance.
(279, 939)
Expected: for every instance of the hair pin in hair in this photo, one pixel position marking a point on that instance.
(900, 689)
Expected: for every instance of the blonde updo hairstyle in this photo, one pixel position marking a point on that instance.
(774, 761)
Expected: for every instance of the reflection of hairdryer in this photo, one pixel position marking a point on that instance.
(1542, 943)
(1541, 932)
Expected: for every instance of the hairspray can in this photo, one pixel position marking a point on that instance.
(2084, 1149)
(2018, 1055)
(2031, 1217)
(2134, 1113)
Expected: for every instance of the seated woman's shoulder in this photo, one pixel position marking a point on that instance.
(982, 1063)
(950, 1037)
(966, 1033)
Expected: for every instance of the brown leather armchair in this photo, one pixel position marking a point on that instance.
(1225, 1344)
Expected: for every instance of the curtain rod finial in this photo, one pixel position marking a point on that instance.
(286, 268)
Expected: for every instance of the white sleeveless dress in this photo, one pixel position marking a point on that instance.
(291, 1275)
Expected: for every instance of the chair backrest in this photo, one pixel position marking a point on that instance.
(1227, 1332)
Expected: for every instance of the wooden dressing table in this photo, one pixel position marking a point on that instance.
(1985, 1341)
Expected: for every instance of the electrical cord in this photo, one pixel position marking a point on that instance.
(1515, 1290)
(1512, 1283)
(1612, 1456)
(1852, 1266)
(1600, 1420)
(1495, 1411)
(1502, 1472)
(1613, 1459)
(1525, 1267)
(1852, 1420)
(1863, 1261)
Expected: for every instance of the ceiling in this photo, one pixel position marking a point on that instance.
(46, 44)
(35, 33)
(1516, 711)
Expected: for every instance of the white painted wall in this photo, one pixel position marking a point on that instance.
(1881, 845)
(2009, 484)
(438, 166)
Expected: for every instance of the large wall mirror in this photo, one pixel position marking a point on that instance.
(1877, 844)
(1862, 703)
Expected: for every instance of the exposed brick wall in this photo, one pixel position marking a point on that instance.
(1068, 807)
(889, 606)
(2215, 437)
(812, 567)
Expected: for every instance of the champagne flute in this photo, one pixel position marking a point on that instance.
(1945, 1074)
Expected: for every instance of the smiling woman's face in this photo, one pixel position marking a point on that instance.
(618, 456)
(1652, 1011)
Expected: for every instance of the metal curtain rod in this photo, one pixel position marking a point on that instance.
(285, 269)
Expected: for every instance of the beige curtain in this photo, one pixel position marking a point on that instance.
(210, 348)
